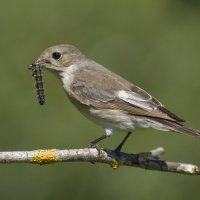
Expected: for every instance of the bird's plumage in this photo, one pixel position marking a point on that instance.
(105, 94)
(97, 94)
(134, 100)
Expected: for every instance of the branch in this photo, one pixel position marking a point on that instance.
(147, 160)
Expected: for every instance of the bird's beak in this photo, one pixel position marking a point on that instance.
(39, 63)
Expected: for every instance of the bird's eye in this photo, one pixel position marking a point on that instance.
(56, 55)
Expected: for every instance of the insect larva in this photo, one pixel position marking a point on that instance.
(37, 74)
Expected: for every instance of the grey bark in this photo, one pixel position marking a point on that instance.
(147, 160)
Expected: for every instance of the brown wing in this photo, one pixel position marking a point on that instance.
(100, 88)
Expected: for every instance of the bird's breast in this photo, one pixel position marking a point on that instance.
(67, 77)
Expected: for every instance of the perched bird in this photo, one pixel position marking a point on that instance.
(105, 97)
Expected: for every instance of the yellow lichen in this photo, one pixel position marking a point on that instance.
(45, 157)
(115, 165)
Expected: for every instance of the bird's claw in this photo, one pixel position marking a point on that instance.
(95, 146)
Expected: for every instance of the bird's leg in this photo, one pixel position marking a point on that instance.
(93, 144)
(119, 147)
(116, 164)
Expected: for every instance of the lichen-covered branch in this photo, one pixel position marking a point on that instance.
(147, 160)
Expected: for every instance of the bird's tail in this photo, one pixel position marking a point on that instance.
(178, 127)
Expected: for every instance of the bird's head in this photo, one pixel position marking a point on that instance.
(58, 58)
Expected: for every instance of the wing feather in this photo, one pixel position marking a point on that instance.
(110, 91)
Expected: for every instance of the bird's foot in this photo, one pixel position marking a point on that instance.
(95, 146)
(117, 151)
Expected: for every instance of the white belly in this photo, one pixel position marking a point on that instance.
(117, 119)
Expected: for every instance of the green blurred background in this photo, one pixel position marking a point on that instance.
(154, 44)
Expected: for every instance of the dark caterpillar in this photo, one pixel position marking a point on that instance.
(37, 74)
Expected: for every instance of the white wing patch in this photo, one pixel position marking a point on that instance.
(129, 97)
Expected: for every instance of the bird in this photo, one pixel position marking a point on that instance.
(106, 98)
